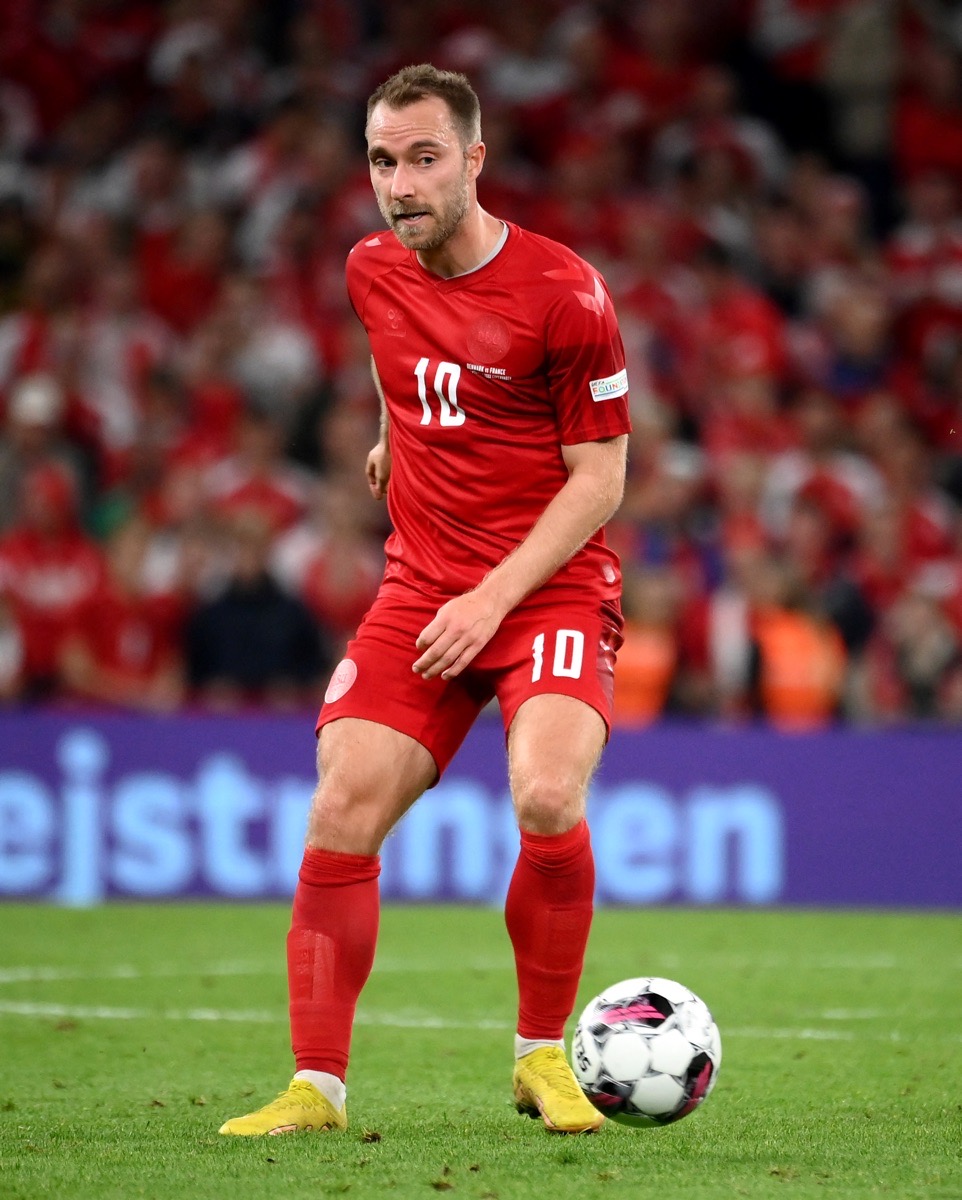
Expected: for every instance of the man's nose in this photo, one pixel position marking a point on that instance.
(402, 182)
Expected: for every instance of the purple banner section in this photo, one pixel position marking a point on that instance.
(100, 806)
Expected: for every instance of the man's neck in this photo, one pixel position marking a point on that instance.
(472, 245)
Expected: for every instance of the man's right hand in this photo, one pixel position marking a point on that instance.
(379, 470)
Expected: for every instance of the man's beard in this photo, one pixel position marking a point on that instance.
(445, 221)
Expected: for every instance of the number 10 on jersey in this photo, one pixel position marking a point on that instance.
(446, 379)
(569, 653)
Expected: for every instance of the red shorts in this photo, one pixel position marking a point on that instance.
(538, 649)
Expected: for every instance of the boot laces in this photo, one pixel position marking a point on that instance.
(300, 1094)
(555, 1071)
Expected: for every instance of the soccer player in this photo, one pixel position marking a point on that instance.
(502, 455)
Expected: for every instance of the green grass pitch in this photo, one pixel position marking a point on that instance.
(129, 1033)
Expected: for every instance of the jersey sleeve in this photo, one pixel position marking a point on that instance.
(371, 256)
(587, 377)
(358, 279)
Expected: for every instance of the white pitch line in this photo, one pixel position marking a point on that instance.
(663, 964)
(854, 1014)
(104, 1012)
(810, 962)
(80, 1012)
(34, 974)
(400, 966)
(122, 971)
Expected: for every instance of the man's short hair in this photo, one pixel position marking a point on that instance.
(417, 82)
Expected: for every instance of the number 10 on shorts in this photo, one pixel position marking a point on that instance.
(569, 653)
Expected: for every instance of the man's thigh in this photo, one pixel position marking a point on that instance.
(369, 775)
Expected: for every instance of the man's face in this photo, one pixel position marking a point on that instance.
(420, 171)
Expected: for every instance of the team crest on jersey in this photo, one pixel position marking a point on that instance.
(489, 339)
(342, 680)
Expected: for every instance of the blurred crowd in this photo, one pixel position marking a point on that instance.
(773, 191)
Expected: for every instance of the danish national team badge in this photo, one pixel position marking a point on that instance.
(341, 681)
(489, 339)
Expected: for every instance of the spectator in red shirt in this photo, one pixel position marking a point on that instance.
(928, 117)
(182, 269)
(878, 557)
(257, 476)
(714, 631)
(50, 570)
(815, 542)
(822, 468)
(125, 647)
(264, 351)
(122, 345)
(745, 414)
(662, 74)
(44, 333)
(913, 660)
(50, 64)
(739, 331)
(713, 120)
(340, 577)
(581, 206)
(906, 463)
(924, 257)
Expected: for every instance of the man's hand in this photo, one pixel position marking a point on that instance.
(459, 632)
(378, 470)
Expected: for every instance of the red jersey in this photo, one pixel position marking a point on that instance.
(49, 582)
(131, 636)
(485, 377)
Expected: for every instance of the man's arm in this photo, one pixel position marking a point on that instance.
(378, 467)
(590, 497)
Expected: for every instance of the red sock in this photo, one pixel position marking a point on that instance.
(548, 915)
(330, 952)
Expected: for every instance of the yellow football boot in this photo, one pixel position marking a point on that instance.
(545, 1087)
(301, 1109)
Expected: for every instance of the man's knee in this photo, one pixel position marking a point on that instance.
(547, 803)
(368, 777)
(345, 821)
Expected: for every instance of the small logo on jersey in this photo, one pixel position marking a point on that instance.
(489, 339)
(395, 323)
(341, 681)
(609, 387)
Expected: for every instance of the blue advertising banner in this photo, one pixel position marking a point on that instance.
(94, 807)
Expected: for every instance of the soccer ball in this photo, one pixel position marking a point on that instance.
(646, 1052)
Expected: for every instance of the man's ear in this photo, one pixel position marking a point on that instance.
(475, 158)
